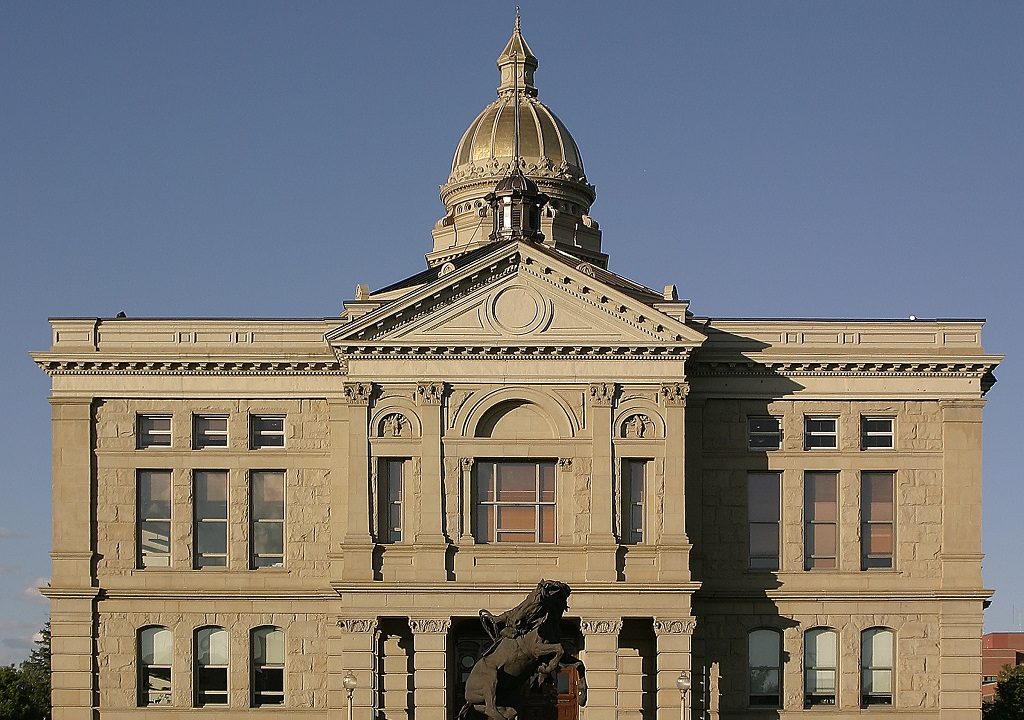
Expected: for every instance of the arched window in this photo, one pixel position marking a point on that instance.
(764, 667)
(876, 663)
(155, 654)
(267, 666)
(211, 669)
(820, 665)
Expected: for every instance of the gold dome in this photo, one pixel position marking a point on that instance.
(545, 145)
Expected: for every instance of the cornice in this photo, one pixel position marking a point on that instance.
(510, 352)
(79, 366)
(826, 367)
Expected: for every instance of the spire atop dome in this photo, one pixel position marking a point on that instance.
(517, 59)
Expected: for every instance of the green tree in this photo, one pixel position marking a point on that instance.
(1008, 703)
(25, 691)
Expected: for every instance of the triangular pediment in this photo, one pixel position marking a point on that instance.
(519, 296)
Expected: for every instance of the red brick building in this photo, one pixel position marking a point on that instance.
(997, 650)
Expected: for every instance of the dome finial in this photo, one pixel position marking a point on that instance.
(517, 63)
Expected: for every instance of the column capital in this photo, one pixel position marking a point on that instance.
(565, 463)
(357, 393)
(674, 394)
(675, 626)
(429, 392)
(602, 394)
(466, 463)
(430, 625)
(357, 625)
(601, 627)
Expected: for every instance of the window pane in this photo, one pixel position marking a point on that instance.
(516, 537)
(877, 496)
(212, 538)
(876, 648)
(268, 538)
(764, 681)
(516, 518)
(268, 495)
(212, 646)
(212, 686)
(485, 522)
(156, 646)
(821, 425)
(270, 424)
(394, 469)
(155, 539)
(823, 540)
(877, 441)
(821, 496)
(820, 649)
(484, 477)
(156, 685)
(764, 540)
(764, 425)
(211, 495)
(763, 497)
(879, 539)
(546, 531)
(517, 482)
(547, 482)
(764, 648)
(155, 494)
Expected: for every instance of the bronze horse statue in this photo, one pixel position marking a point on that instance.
(526, 649)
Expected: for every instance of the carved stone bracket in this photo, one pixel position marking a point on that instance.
(602, 394)
(357, 625)
(429, 393)
(600, 627)
(430, 625)
(674, 626)
(357, 393)
(675, 393)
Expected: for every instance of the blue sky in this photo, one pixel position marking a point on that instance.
(260, 159)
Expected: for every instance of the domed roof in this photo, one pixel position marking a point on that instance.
(545, 144)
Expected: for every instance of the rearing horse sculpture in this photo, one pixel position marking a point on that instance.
(521, 638)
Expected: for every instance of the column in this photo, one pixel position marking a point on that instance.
(71, 590)
(600, 658)
(430, 654)
(674, 636)
(674, 544)
(430, 540)
(352, 648)
(357, 551)
(601, 544)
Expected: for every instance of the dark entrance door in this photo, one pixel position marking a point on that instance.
(558, 700)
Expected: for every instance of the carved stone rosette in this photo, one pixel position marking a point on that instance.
(357, 625)
(601, 627)
(674, 394)
(429, 393)
(430, 625)
(602, 394)
(674, 626)
(357, 393)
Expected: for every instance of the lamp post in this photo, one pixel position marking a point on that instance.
(350, 683)
(683, 683)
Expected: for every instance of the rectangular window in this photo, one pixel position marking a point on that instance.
(267, 519)
(153, 431)
(820, 520)
(820, 433)
(211, 518)
(266, 431)
(209, 431)
(876, 519)
(515, 502)
(633, 494)
(153, 528)
(763, 503)
(390, 486)
(764, 433)
(876, 433)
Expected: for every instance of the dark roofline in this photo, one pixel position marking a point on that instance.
(164, 318)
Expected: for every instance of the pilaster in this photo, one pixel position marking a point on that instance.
(600, 657)
(674, 638)
(358, 546)
(352, 648)
(961, 493)
(674, 555)
(601, 543)
(429, 538)
(430, 682)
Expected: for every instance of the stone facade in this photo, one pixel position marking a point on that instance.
(635, 416)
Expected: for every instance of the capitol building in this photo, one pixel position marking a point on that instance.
(246, 512)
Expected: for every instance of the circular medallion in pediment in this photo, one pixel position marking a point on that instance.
(518, 310)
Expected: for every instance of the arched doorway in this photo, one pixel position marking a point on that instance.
(554, 701)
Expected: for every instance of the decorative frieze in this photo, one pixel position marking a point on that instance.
(601, 627)
(674, 394)
(357, 625)
(674, 626)
(602, 394)
(429, 393)
(357, 393)
(430, 625)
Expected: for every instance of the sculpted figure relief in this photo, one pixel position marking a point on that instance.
(526, 651)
